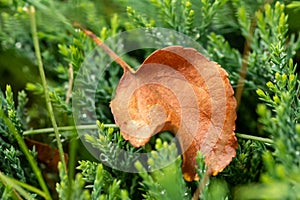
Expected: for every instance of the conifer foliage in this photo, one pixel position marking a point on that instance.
(42, 52)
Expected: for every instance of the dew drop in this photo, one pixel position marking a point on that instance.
(103, 157)
(93, 77)
(18, 45)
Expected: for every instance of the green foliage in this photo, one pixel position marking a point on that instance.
(111, 145)
(217, 189)
(113, 151)
(166, 181)
(247, 165)
(176, 15)
(75, 191)
(219, 49)
(13, 161)
(294, 5)
(233, 33)
(88, 169)
(271, 35)
(281, 96)
(10, 107)
(280, 115)
(113, 190)
(7, 192)
(103, 185)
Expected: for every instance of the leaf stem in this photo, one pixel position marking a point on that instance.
(110, 52)
(244, 67)
(251, 137)
(66, 128)
(25, 150)
(70, 83)
(44, 83)
(243, 73)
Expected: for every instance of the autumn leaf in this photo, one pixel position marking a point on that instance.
(46, 154)
(179, 90)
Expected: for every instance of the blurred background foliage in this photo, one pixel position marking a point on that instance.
(230, 31)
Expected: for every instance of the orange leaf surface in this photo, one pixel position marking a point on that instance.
(179, 90)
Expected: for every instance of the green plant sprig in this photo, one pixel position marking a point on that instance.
(16, 185)
(8, 181)
(252, 137)
(67, 128)
(25, 150)
(94, 126)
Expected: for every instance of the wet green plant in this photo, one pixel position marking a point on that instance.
(254, 44)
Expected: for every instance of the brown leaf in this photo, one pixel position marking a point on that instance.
(179, 90)
(46, 154)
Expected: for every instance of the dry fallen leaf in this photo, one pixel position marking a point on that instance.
(179, 90)
(47, 155)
